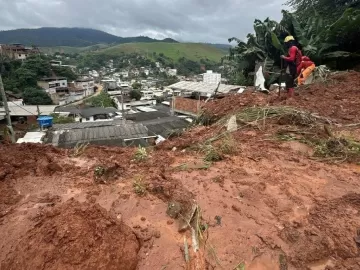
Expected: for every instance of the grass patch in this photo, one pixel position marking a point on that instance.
(141, 154)
(139, 186)
(340, 149)
(79, 149)
(228, 145)
(174, 51)
(240, 266)
(212, 154)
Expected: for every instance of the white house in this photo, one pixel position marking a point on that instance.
(210, 77)
(172, 72)
(87, 84)
(124, 74)
(49, 84)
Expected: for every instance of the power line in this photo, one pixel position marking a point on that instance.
(22, 108)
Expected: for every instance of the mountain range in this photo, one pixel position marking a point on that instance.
(74, 37)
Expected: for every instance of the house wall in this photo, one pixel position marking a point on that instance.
(88, 86)
(212, 77)
(47, 85)
(20, 56)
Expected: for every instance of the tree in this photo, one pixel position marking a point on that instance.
(26, 77)
(135, 94)
(102, 100)
(65, 72)
(136, 85)
(34, 96)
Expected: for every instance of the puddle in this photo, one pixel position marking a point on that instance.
(321, 265)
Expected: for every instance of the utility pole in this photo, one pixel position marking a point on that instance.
(7, 111)
(122, 104)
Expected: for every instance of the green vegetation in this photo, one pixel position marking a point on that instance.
(77, 37)
(141, 154)
(174, 51)
(135, 94)
(21, 77)
(139, 186)
(101, 100)
(136, 86)
(59, 119)
(327, 32)
(73, 50)
(35, 96)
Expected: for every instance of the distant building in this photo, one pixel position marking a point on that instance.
(56, 87)
(210, 77)
(87, 84)
(172, 72)
(57, 63)
(124, 74)
(18, 51)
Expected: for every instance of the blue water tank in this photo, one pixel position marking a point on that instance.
(45, 121)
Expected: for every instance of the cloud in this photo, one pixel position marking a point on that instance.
(186, 20)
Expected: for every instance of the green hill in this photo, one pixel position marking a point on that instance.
(70, 50)
(175, 51)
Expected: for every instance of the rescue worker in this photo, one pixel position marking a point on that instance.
(293, 62)
(305, 69)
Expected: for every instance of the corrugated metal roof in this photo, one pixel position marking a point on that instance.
(165, 126)
(103, 135)
(203, 87)
(78, 125)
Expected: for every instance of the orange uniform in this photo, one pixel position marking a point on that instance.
(305, 69)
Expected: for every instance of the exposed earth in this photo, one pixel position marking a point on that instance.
(280, 192)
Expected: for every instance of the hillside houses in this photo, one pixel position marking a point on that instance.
(18, 51)
(61, 92)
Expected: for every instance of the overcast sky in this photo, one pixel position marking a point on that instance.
(185, 20)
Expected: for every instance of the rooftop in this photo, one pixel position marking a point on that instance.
(88, 112)
(68, 135)
(28, 110)
(207, 88)
(165, 126)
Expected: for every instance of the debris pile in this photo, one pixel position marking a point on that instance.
(75, 236)
(270, 184)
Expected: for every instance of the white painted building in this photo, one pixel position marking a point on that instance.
(172, 72)
(87, 84)
(210, 77)
(124, 74)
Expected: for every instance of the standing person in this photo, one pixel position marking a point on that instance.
(305, 69)
(293, 61)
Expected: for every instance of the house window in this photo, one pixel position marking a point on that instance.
(51, 85)
(87, 119)
(63, 84)
(19, 55)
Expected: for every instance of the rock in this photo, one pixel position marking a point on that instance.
(170, 222)
(157, 234)
(235, 208)
(174, 149)
(231, 124)
(143, 218)
(173, 209)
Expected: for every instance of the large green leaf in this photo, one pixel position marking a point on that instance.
(276, 42)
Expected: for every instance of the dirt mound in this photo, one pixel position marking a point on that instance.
(338, 98)
(29, 159)
(75, 236)
(220, 107)
(326, 237)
